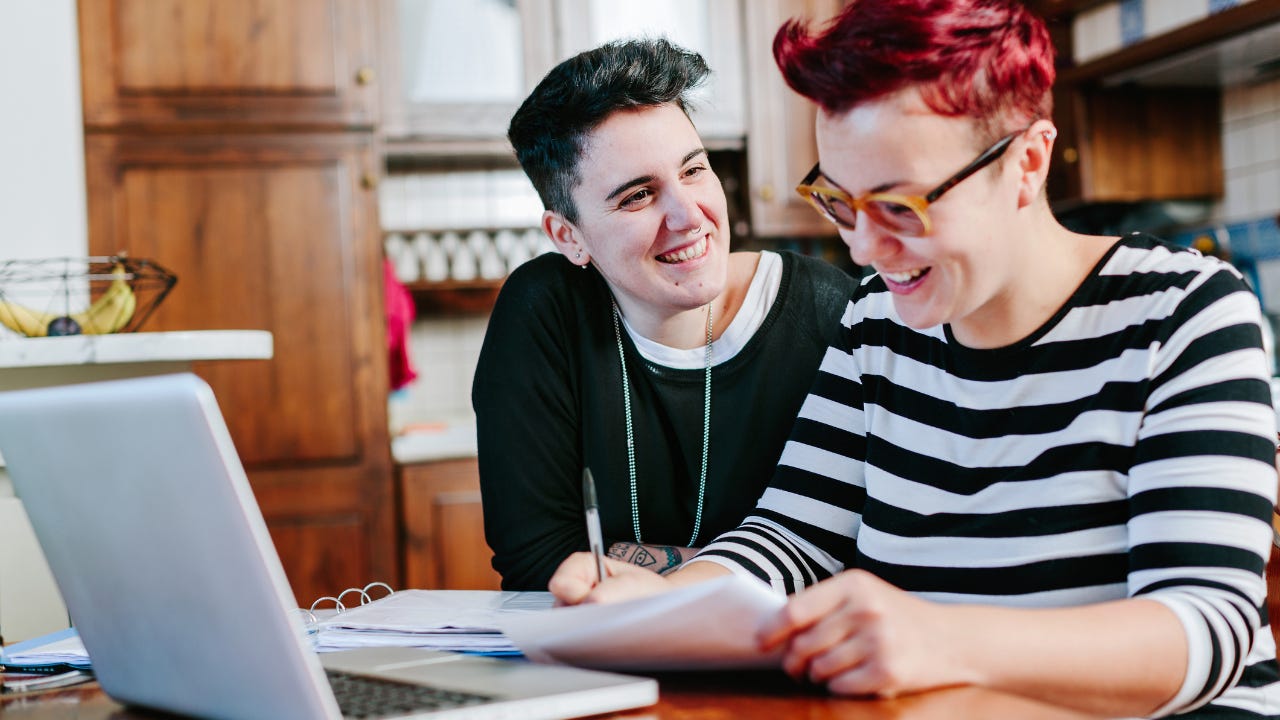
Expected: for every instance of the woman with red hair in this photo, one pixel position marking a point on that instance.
(1037, 461)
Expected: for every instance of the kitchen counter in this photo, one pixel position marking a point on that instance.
(35, 362)
(429, 442)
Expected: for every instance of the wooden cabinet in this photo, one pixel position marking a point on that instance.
(1133, 144)
(441, 86)
(1143, 122)
(444, 546)
(780, 125)
(441, 98)
(214, 62)
(232, 141)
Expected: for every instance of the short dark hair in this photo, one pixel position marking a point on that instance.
(550, 128)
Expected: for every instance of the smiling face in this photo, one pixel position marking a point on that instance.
(967, 271)
(651, 214)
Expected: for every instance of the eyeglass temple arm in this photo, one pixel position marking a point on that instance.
(812, 175)
(980, 162)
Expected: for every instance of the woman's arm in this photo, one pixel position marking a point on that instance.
(860, 635)
(528, 429)
(661, 559)
(575, 580)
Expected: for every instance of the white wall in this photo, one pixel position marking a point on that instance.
(42, 214)
(42, 205)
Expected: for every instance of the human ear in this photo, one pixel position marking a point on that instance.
(1033, 162)
(566, 237)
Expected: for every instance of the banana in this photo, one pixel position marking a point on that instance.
(113, 310)
(23, 320)
(110, 312)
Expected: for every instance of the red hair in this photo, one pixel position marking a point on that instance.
(991, 60)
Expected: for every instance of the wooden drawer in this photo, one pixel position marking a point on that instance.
(442, 527)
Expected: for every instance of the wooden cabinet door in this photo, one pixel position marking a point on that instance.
(440, 511)
(206, 62)
(1136, 143)
(780, 142)
(278, 233)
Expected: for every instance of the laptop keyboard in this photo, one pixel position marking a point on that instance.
(365, 697)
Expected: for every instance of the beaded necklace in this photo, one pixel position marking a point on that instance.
(631, 447)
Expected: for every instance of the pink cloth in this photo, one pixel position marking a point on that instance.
(400, 315)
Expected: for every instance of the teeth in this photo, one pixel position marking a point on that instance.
(904, 277)
(695, 250)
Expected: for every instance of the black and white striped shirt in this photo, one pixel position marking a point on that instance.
(1123, 449)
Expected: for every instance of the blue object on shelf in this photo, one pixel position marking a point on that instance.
(1132, 24)
(1244, 243)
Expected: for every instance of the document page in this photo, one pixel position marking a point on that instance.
(707, 626)
(456, 620)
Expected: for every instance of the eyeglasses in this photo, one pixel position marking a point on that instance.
(907, 214)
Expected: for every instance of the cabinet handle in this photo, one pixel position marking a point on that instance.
(365, 76)
(1070, 155)
(368, 181)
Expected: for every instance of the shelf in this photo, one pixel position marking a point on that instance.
(454, 297)
(1052, 10)
(1202, 33)
(446, 148)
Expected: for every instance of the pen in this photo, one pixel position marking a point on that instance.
(594, 538)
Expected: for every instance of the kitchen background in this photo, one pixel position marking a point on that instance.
(274, 186)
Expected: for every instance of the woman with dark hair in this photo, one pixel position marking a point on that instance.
(1035, 460)
(645, 349)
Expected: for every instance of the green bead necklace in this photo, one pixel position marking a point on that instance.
(631, 447)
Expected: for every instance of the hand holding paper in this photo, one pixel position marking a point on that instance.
(708, 625)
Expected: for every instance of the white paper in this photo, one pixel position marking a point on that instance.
(457, 620)
(707, 626)
(63, 646)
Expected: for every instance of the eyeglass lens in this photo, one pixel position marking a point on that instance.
(895, 216)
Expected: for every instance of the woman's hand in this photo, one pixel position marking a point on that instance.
(861, 636)
(575, 581)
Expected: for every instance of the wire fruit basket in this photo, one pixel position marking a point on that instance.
(80, 296)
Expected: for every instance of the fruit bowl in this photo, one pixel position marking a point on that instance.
(80, 296)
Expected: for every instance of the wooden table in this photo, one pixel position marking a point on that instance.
(695, 696)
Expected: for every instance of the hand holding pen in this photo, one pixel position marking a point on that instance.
(595, 537)
(579, 578)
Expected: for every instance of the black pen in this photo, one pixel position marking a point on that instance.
(594, 537)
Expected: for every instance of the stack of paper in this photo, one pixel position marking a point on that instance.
(57, 651)
(457, 620)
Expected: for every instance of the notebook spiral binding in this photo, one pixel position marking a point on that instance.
(365, 598)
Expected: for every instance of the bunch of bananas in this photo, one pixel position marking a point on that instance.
(110, 312)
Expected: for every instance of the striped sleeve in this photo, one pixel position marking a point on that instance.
(806, 523)
(1202, 484)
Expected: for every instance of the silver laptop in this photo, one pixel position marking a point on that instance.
(151, 529)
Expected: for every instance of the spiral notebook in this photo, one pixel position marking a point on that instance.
(151, 529)
(454, 620)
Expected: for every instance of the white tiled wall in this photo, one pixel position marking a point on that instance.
(1250, 151)
(444, 352)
